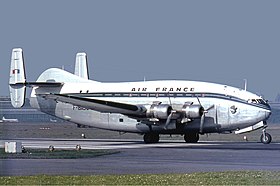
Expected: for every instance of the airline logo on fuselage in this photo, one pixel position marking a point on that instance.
(163, 89)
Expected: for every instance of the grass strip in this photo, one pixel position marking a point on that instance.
(56, 154)
(209, 178)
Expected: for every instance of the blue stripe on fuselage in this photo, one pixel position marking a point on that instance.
(164, 94)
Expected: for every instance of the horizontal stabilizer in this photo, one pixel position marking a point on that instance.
(43, 84)
(81, 67)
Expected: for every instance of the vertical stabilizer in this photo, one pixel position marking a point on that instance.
(81, 67)
(17, 78)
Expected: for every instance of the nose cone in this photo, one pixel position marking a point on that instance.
(267, 111)
(267, 114)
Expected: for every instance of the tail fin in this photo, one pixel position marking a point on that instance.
(17, 78)
(81, 67)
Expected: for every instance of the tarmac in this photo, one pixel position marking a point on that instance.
(135, 157)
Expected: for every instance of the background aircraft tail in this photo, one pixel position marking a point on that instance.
(81, 67)
(17, 78)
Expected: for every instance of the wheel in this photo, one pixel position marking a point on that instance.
(191, 137)
(151, 138)
(266, 139)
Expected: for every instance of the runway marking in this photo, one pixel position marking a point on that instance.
(101, 143)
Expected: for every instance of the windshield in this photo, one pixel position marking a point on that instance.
(258, 101)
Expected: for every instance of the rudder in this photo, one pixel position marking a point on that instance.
(81, 67)
(17, 78)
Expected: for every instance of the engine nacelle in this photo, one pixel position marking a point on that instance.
(158, 111)
(192, 111)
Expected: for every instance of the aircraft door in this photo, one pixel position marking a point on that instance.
(222, 114)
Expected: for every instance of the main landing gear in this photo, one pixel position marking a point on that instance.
(151, 138)
(154, 137)
(265, 137)
(191, 137)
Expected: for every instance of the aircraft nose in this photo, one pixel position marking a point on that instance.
(268, 113)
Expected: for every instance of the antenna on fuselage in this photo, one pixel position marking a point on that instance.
(245, 84)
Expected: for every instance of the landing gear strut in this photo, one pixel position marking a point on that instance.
(265, 137)
(151, 138)
(191, 137)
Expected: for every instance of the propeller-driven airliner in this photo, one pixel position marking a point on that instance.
(150, 108)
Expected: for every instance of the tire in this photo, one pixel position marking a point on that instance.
(191, 137)
(151, 138)
(266, 139)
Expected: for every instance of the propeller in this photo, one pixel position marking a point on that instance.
(169, 119)
(203, 115)
(170, 115)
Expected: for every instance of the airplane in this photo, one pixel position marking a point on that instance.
(150, 108)
(53, 120)
(8, 120)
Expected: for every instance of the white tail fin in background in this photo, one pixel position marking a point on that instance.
(17, 78)
(81, 67)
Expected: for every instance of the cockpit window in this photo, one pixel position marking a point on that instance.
(253, 101)
(261, 101)
(257, 101)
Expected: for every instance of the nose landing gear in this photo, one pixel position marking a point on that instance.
(265, 137)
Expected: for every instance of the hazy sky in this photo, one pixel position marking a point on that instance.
(216, 41)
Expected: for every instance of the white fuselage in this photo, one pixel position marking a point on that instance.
(233, 108)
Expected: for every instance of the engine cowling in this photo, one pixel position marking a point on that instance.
(158, 111)
(192, 111)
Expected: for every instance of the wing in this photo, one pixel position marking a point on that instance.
(98, 105)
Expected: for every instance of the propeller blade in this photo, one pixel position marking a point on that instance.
(198, 101)
(169, 99)
(201, 123)
(168, 119)
(211, 107)
(203, 118)
(170, 115)
(203, 115)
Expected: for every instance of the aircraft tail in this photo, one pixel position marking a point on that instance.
(17, 78)
(81, 67)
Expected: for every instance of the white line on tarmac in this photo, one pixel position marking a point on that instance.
(101, 144)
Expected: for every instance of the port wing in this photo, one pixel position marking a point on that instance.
(96, 104)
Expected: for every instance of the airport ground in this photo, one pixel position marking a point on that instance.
(71, 131)
(214, 153)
